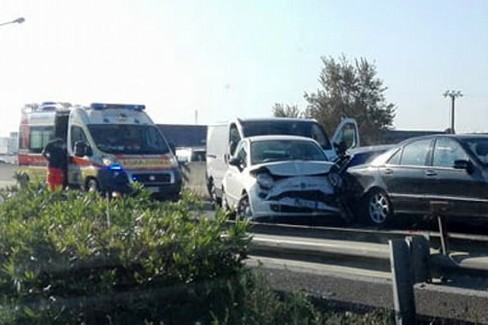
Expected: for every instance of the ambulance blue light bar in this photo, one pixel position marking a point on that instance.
(49, 106)
(100, 106)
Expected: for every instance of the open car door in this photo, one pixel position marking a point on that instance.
(346, 135)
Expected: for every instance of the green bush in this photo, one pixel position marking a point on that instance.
(255, 302)
(70, 257)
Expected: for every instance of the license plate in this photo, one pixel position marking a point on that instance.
(153, 189)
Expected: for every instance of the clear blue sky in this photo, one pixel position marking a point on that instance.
(230, 59)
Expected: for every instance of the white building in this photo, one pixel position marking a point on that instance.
(9, 145)
(13, 143)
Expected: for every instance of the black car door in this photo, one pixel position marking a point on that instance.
(464, 190)
(404, 177)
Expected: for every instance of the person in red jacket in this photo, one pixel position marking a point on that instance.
(56, 155)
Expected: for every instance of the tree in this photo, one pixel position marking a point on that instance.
(280, 110)
(351, 90)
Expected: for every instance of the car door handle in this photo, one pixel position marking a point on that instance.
(388, 171)
(430, 173)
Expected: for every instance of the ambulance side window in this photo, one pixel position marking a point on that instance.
(39, 137)
(77, 134)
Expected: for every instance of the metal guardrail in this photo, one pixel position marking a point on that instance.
(367, 248)
(407, 257)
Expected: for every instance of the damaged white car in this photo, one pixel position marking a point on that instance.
(280, 175)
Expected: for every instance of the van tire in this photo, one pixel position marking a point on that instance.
(226, 207)
(217, 201)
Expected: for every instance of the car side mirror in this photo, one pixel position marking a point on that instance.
(236, 162)
(82, 149)
(464, 164)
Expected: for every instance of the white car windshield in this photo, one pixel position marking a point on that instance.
(284, 150)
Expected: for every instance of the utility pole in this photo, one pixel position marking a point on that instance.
(453, 94)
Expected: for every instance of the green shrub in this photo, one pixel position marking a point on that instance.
(70, 257)
(255, 302)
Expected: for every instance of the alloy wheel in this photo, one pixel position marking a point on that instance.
(379, 208)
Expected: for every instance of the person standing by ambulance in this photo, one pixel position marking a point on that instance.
(56, 155)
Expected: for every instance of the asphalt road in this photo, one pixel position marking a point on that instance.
(7, 175)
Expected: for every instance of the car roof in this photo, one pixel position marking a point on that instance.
(446, 135)
(279, 137)
(274, 119)
(266, 119)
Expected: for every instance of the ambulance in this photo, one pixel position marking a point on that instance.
(109, 146)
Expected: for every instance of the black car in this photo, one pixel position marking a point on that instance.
(422, 175)
(363, 155)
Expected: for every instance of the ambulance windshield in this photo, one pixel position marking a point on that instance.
(129, 139)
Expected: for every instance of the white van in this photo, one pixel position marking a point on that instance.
(222, 140)
(109, 146)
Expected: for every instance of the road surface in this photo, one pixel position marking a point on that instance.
(7, 172)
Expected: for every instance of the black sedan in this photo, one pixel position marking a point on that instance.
(428, 175)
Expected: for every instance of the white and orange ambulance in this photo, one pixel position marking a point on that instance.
(109, 146)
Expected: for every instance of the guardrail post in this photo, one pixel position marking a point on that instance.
(402, 276)
(438, 209)
(443, 235)
(420, 253)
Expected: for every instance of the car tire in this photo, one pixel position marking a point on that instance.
(213, 195)
(378, 209)
(244, 210)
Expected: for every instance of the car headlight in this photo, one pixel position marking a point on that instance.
(335, 179)
(107, 161)
(265, 180)
(112, 163)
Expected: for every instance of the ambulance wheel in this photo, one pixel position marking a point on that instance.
(23, 180)
(92, 185)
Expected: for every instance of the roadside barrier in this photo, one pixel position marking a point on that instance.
(410, 257)
(327, 243)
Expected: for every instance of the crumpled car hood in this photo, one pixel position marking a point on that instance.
(294, 168)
